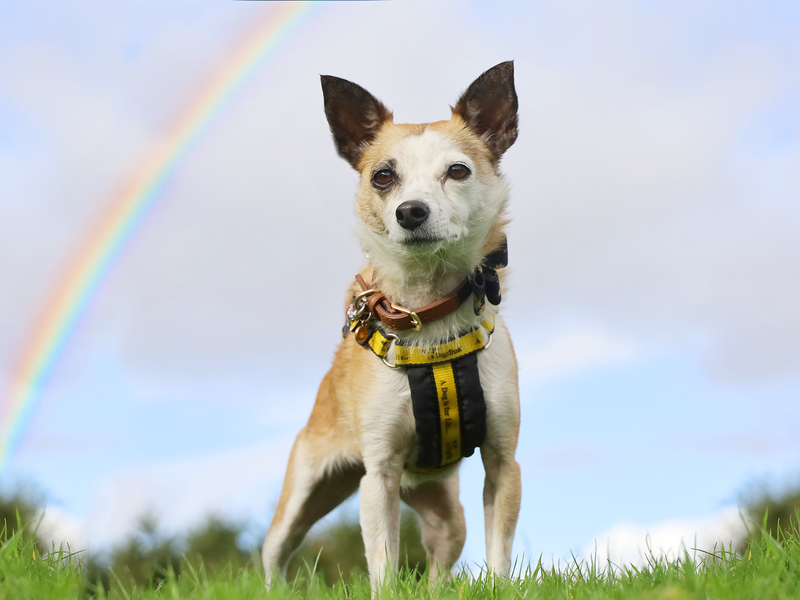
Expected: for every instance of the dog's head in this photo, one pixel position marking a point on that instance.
(429, 190)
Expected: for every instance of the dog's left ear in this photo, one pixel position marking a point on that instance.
(489, 107)
(354, 116)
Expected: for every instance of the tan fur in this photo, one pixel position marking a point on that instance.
(361, 430)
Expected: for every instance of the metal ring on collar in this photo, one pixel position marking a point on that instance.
(363, 294)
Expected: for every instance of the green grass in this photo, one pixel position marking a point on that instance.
(769, 569)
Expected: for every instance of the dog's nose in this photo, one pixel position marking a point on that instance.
(412, 214)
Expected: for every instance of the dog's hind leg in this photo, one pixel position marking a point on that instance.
(310, 491)
(442, 525)
(321, 474)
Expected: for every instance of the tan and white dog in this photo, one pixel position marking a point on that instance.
(431, 203)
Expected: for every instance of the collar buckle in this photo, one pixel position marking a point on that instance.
(416, 322)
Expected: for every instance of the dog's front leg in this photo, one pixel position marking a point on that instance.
(502, 492)
(380, 518)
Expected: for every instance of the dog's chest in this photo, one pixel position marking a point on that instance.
(390, 421)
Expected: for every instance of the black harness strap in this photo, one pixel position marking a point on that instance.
(430, 407)
(425, 402)
(471, 403)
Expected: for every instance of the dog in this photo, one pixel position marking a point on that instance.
(426, 371)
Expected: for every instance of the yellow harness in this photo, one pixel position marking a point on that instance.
(446, 394)
(466, 343)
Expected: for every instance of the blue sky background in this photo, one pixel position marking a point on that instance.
(654, 252)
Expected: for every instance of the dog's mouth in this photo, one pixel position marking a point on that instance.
(422, 241)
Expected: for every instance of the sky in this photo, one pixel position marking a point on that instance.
(653, 254)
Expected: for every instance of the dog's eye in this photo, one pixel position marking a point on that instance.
(383, 179)
(458, 171)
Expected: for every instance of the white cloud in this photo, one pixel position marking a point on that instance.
(631, 543)
(60, 529)
(240, 483)
(571, 349)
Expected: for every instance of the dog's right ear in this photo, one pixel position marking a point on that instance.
(354, 115)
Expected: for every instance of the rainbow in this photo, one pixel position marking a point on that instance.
(72, 297)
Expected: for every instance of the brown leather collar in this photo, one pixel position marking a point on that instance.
(400, 319)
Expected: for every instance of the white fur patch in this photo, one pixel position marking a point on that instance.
(461, 214)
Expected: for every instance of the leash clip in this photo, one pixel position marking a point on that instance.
(355, 312)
